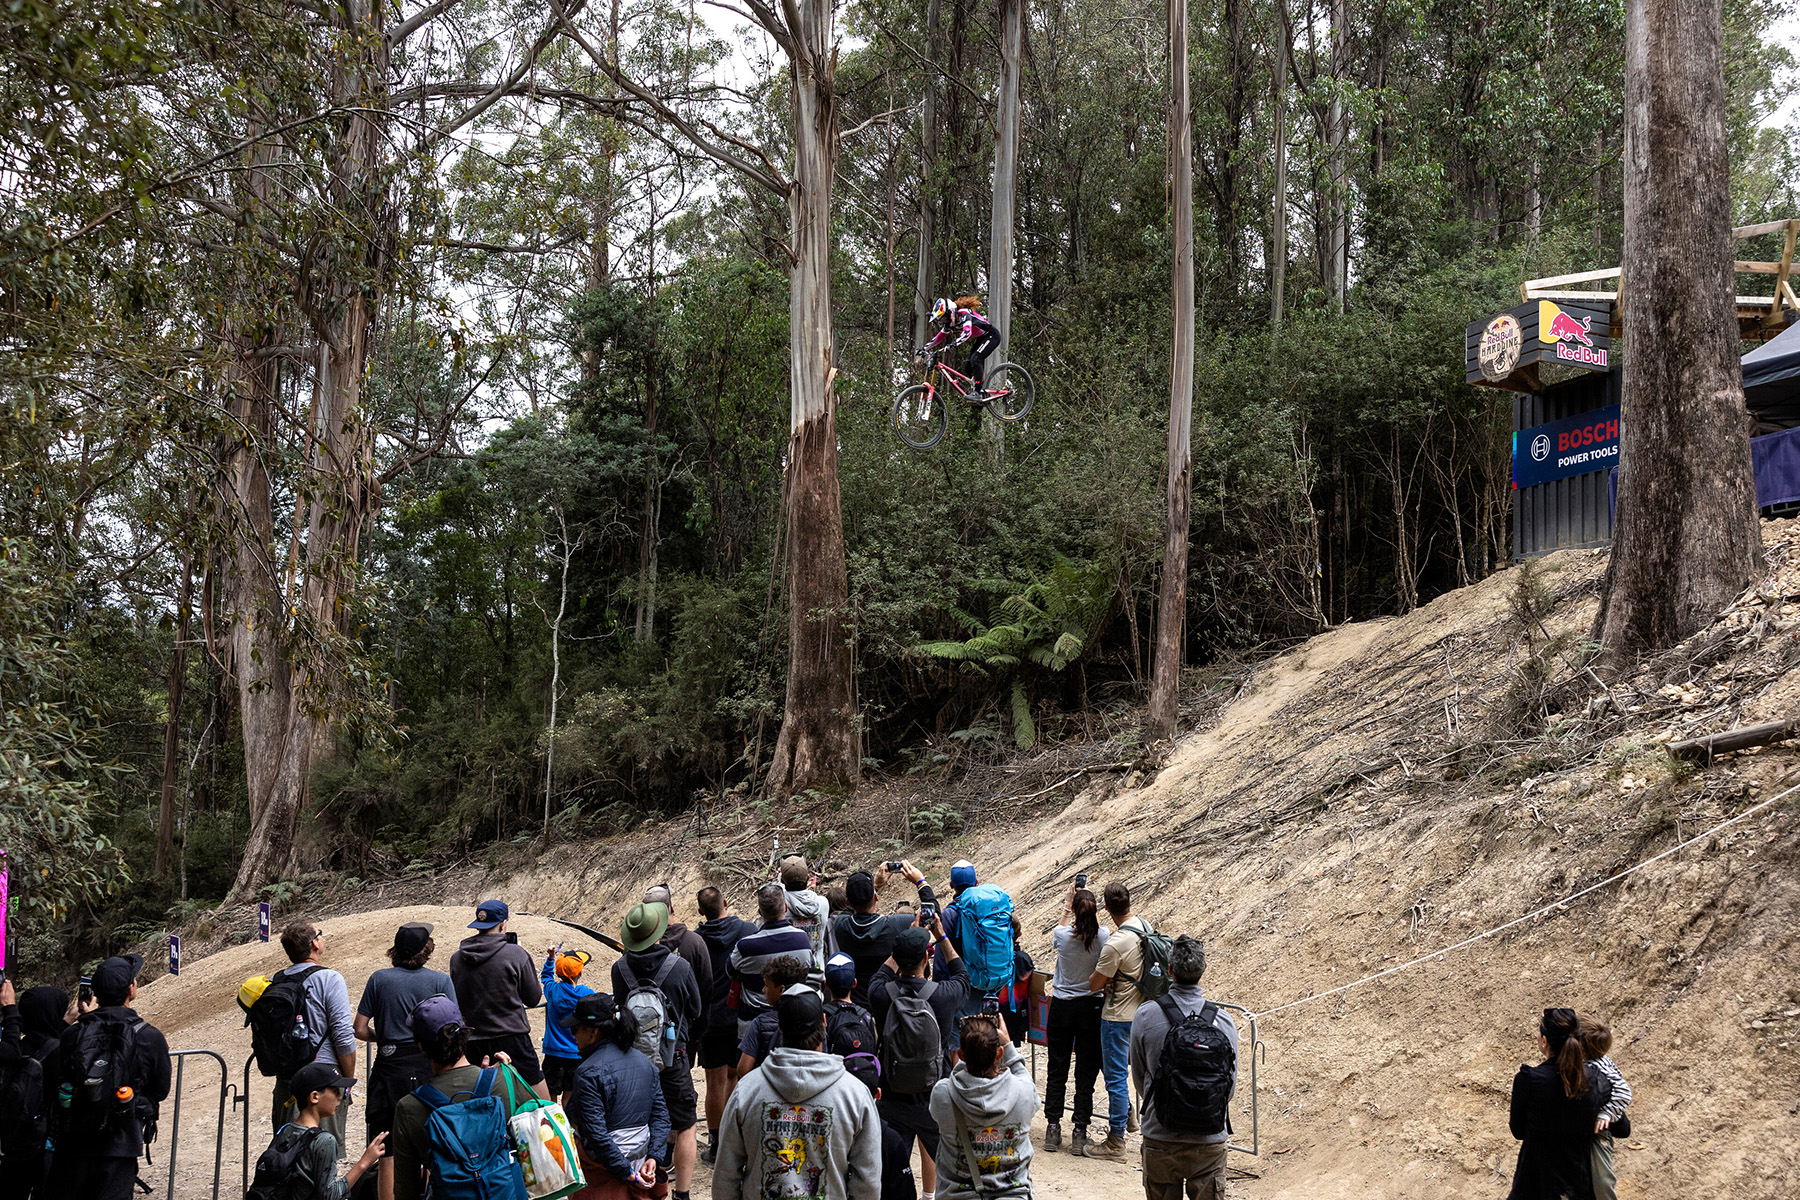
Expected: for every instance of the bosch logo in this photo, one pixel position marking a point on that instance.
(1540, 447)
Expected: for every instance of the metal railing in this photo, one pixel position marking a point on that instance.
(1256, 1052)
(225, 1089)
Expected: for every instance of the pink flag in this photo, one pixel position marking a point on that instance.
(3, 910)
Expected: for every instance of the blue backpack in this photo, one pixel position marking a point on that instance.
(471, 1148)
(984, 922)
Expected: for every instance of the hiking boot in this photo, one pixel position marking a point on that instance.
(1112, 1148)
(710, 1155)
(1131, 1125)
(1052, 1137)
(1078, 1143)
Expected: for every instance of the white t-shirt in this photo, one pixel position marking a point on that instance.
(1074, 963)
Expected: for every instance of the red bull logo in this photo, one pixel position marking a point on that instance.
(1571, 337)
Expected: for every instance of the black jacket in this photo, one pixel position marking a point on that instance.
(149, 1079)
(1557, 1132)
(720, 936)
(692, 947)
(496, 982)
(680, 988)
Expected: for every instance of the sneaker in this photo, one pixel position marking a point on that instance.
(1112, 1148)
(1131, 1124)
(1052, 1137)
(1078, 1143)
(710, 1155)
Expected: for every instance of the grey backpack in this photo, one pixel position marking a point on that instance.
(912, 1042)
(647, 1002)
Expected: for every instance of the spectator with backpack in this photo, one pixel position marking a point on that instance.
(777, 937)
(110, 1079)
(979, 925)
(25, 1062)
(497, 984)
(301, 1162)
(799, 1125)
(983, 1112)
(616, 1105)
(384, 1016)
(849, 1028)
(1131, 970)
(658, 988)
(303, 1016)
(916, 1018)
(563, 990)
(1184, 1054)
(455, 1125)
(1073, 1030)
(866, 935)
(721, 931)
(809, 911)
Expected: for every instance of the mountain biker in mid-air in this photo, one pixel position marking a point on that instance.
(959, 321)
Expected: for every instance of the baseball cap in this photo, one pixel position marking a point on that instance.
(840, 973)
(410, 938)
(800, 1012)
(434, 1014)
(910, 947)
(859, 888)
(794, 872)
(570, 966)
(113, 978)
(316, 1077)
(659, 894)
(595, 1009)
(962, 874)
(488, 914)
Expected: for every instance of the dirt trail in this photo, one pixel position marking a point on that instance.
(1321, 829)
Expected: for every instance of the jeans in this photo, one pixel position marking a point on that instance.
(1115, 1056)
(1074, 1026)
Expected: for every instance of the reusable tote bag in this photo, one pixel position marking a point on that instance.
(543, 1140)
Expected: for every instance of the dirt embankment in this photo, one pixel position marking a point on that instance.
(1378, 793)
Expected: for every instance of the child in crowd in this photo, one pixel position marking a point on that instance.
(301, 1162)
(1596, 1042)
(764, 1033)
(563, 990)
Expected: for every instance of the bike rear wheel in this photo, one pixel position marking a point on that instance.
(1010, 391)
(920, 418)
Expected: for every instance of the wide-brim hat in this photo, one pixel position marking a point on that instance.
(644, 926)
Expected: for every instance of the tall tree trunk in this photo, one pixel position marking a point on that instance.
(923, 291)
(1278, 215)
(1687, 540)
(165, 815)
(1165, 678)
(819, 739)
(1337, 246)
(562, 606)
(1006, 191)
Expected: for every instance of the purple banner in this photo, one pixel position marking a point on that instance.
(174, 954)
(262, 920)
(5, 909)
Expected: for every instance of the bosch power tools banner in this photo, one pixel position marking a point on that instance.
(1506, 351)
(1574, 445)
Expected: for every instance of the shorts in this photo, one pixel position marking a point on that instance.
(679, 1095)
(559, 1073)
(516, 1046)
(911, 1115)
(391, 1080)
(719, 1045)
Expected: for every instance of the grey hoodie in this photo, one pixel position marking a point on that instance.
(812, 912)
(997, 1114)
(495, 981)
(821, 1122)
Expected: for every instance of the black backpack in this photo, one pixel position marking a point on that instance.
(850, 1034)
(22, 1117)
(279, 1172)
(102, 1067)
(1192, 1085)
(277, 1022)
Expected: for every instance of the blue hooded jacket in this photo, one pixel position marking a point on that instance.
(559, 1002)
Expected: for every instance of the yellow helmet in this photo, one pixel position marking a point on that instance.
(251, 990)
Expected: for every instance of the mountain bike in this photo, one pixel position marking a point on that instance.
(922, 416)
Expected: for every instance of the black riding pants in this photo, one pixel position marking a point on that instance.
(979, 349)
(1074, 1027)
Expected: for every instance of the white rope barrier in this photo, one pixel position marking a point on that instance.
(1532, 916)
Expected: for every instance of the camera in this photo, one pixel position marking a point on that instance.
(1081, 880)
(896, 866)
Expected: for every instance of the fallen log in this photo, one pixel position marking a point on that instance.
(1736, 739)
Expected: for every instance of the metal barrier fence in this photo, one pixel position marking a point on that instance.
(225, 1088)
(1256, 1052)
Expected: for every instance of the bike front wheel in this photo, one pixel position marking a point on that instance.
(920, 417)
(1010, 391)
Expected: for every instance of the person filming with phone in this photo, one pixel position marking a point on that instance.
(866, 934)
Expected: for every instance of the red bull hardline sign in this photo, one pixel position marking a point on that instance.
(1509, 350)
(1575, 445)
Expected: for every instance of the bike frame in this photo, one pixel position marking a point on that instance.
(950, 375)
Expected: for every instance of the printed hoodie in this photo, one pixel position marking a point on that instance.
(811, 912)
(496, 981)
(997, 1113)
(799, 1125)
